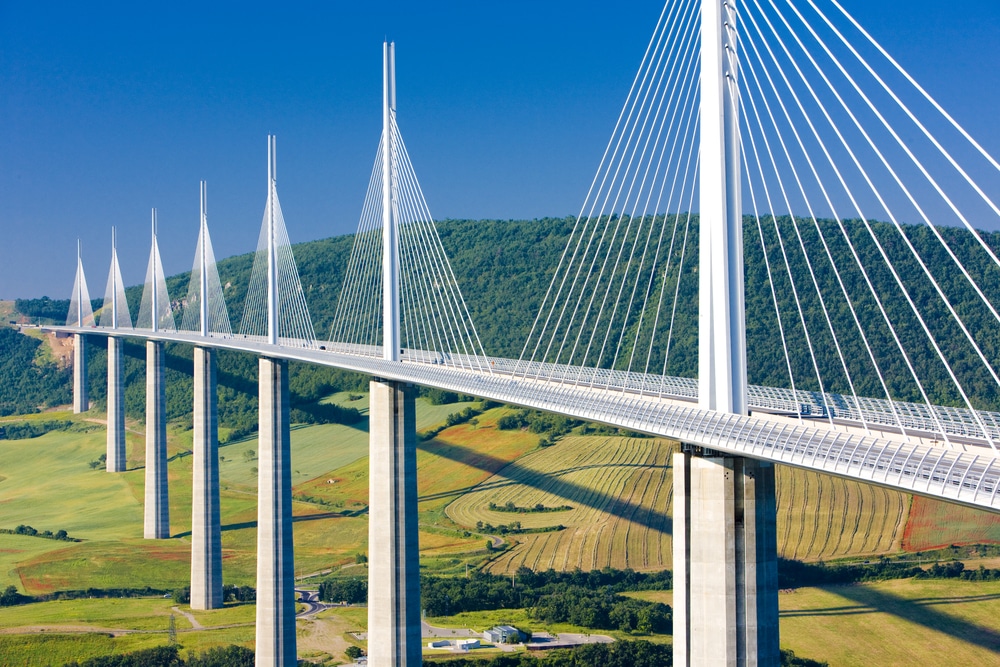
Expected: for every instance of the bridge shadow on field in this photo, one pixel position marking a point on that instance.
(921, 611)
(295, 519)
(552, 482)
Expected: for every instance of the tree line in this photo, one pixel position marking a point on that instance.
(796, 574)
(588, 599)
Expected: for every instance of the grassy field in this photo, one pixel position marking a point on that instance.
(904, 622)
(330, 483)
(480, 621)
(53, 633)
(106, 510)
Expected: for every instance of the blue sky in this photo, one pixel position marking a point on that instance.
(109, 109)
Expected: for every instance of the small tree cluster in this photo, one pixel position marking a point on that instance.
(31, 532)
(351, 590)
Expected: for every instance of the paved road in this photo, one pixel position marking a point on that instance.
(190, 617)
(311, 600)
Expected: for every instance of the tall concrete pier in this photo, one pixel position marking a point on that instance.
(725, 543)
(393, 548)
(156, 523)
(275, 559)
(116, 407)
(206, 538)
(81, 400)
(725, 562)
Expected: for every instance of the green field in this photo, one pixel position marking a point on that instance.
(48, 484)
(889, 623)
(904, 622)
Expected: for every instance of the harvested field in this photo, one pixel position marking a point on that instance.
(621, 489)
(822, 517)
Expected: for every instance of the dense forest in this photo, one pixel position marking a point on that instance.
(27, 380)
(505, 267)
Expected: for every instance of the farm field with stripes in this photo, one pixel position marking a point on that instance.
(621, 492)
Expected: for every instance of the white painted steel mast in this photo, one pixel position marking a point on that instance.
(722, 359)
(272, 259)
(79, 283)
(114, 279)
(203, 274)
(154, 312)
(390, 251)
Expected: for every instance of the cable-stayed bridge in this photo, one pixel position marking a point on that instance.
(762, 137)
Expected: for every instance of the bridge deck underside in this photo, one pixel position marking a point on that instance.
(838, 445)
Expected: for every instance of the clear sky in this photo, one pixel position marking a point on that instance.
(108, 109)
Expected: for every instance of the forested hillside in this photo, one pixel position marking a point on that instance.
(28, 381)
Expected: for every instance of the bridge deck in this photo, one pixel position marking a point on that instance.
(834, 441)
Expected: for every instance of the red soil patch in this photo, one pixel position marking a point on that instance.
(934, 524)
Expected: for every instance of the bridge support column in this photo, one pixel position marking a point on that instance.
(393, 548)
(275, 559)
(116, 408)
(156, 524)
(206, 539)
(81, 401)
(725, 562)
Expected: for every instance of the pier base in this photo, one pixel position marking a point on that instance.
(81, 400)
(393, 549)
(116, 408)
(275, 559)
(156, 522)
(206, 537)
(725, 562)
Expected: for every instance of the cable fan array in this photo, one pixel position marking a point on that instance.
(81, 312)
(435, 325)
(623, 286)
(836, 135)
(205, 308)
(114, 312)
(294, 326)
(154, 309)
(866, 275)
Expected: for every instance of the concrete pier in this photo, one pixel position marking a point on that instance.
(156, 522)
(725, 562)
(393, 548)
(206, 537)
(116, 407)
(81, 400)
(275, 559)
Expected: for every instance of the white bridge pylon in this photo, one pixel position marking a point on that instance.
(397, 251)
